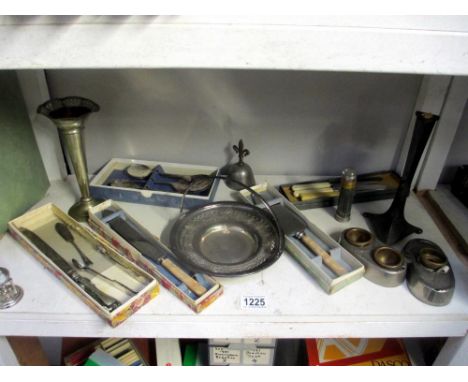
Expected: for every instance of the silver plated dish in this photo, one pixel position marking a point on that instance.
(227, 239)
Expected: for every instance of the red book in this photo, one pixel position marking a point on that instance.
(357, 351)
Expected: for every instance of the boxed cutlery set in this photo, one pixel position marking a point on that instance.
(111, 285)
(325, 192)
(117, 266)
(155, 183)
(137, 244)
(321, 256)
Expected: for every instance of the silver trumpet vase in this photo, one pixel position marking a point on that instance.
(69, 115)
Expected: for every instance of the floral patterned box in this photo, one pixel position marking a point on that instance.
(89, 266)
(197, 302)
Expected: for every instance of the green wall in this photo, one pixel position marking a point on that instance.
(23, 180)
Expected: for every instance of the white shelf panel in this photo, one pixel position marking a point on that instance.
(400, 44)
(297, 306)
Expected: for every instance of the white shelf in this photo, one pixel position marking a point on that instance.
(297, 307)
(388, 44)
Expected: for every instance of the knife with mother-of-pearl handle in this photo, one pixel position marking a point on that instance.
(330, 192)
(362, 180)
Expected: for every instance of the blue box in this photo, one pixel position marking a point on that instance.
(151, 191)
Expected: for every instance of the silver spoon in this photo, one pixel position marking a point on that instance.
(79, 265)
(66, 235)
(198, 183)
(185, 178)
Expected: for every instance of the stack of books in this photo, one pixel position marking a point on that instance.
(107, 352)
(122, 350)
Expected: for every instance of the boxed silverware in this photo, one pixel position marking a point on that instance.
(88, 265)
(141, 247)
(321, 256)
(155, 183)
(324, 192)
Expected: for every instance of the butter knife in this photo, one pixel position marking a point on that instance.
(152, 250)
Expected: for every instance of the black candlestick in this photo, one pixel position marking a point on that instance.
(392, 226)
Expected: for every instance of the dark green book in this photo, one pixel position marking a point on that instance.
(190, 355)
(23, 179)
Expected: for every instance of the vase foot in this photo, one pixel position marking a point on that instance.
(79, 211)
(390, 227)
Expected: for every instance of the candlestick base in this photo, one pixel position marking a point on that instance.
(391, 226)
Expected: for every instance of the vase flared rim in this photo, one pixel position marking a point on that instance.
(72, 107)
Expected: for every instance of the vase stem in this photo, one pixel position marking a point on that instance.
(74, 145)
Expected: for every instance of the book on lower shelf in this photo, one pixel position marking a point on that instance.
(357, 352)
(123, 350)
(168, 352)
(102, 358)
